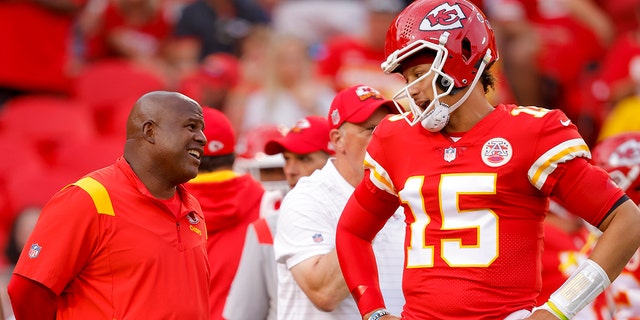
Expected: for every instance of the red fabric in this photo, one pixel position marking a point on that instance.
(618, 61)
(262, 231)
(474, 209)
(141, 262)
(25, 294)
(229, 206)
(582, 179)
(149, 36)
(346, 61)
(37, 47)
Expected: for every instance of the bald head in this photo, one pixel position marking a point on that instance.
(165, 139)
(150, 107)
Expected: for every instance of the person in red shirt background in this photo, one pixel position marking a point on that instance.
(129, 240)
(619, 155)
(37, 53)
(230, 202)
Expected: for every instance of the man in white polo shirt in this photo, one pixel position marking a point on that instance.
(310, 284)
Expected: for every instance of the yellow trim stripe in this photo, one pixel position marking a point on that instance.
(378, 175)
(98, 194)
(556, 311)
(549, 161)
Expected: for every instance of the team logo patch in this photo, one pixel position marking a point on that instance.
(496, 152)
(193, 218)
(449, 154)
(443, 17)
(215, 145)
(335, 117)
(301, 125)
(317, 238)
(34, 251)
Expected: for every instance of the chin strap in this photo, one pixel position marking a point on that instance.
(437, 118)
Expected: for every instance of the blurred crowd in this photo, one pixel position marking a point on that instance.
(72, 69)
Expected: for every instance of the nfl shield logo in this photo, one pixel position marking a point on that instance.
(34, 251)
(449, 154)
(317, 238)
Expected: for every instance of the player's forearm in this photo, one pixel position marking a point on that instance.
(325, 284)
(607, 260)
(612, 253)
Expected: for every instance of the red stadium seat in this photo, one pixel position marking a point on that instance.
(104, 84)
(46, 122)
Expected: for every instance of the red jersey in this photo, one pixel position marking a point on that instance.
(111, 250)
(474, 209)
(230, 202)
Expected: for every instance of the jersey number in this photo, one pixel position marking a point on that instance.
(482, 221)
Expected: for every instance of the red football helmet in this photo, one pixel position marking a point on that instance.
(620, 156)
(459, 39)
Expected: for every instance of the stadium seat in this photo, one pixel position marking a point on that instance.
(46, 122)
(103, 84)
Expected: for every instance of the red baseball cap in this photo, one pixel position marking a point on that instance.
(356, 104)
(221, 139)
(309, 134)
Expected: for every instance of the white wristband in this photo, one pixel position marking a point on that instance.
(582, 287)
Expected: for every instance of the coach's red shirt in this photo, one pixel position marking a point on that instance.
(111, 250)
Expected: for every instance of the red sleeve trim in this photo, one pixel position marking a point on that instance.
(263, 232)
(587, 191)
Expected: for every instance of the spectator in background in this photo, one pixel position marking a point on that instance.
(132, 29)
(345, 59)
(41, 58)
(212, 82)
(621, 65)
(230, 201)
(550, 51)
(110, 245)
(253, 295)
(212, 26)
(620, 156)
(310, 282)
(315, 21)
(290, 90)
(20, 230)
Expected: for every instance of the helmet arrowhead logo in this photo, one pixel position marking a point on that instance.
(443, 17)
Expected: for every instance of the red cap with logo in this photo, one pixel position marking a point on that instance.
(309, 134)
(221, 139)
(356, 104)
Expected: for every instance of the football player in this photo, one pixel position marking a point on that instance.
(620, 156)
(474, 180)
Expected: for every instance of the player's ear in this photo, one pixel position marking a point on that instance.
(336, 137)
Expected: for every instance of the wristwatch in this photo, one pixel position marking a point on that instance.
(378, 314)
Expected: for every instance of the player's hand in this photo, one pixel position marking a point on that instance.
(390, 317)
(542, 315)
